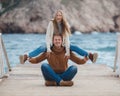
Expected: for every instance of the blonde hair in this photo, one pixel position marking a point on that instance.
(64, 23)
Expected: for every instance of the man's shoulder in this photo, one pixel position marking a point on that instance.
(62, 49)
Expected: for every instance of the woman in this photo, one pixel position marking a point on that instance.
(58, 25)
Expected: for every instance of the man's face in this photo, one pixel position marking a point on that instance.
(57, 41)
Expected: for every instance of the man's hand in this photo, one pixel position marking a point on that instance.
(32, 60)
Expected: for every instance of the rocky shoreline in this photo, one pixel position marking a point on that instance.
(32, 16)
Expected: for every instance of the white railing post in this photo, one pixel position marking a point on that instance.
(1, 59)
(117, 56)
(6, 57)
(3, 53)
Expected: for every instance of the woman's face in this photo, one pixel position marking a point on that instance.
(59, 16)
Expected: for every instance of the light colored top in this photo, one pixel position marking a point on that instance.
(59, 28)
(49, 36)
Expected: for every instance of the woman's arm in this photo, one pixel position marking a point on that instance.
(67, 45)
(49, 36)
(67, 41)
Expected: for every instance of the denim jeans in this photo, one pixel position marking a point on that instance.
(43, 48)
(50, 75)
(78, 50)
(38, 50)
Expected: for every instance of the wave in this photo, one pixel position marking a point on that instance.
(106, 49)
(95, 32)
(77, 33)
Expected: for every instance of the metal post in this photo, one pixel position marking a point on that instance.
(1, 59)
(6, 57)
(3, 53)
(117, 56)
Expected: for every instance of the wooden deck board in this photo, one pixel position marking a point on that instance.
(91, 80)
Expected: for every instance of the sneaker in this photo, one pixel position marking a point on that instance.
(50, 83)
(66, 83)
(23, 58)
(93, 57)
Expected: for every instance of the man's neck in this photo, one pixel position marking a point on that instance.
(58, 47)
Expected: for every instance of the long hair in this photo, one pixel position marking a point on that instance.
(64, 24)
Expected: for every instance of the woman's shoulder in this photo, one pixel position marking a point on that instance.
(51, 21)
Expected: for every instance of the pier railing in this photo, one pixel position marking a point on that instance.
(117, 57)
(4, 62)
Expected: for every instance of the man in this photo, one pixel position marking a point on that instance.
(57, 72)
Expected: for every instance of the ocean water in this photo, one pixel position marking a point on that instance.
(102, 43)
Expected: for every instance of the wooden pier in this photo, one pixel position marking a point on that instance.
(27, 80)
(91, 80)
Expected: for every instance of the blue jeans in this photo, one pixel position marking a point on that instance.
(50, 75)
(37, 51)
(78, 50)
(43, 48)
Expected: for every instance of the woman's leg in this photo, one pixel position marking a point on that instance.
(93, 57)
(49, 73)
(37, 51)
(78, 50)
(34, 53)
(69, 73)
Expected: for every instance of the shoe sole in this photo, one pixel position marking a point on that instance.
(21, 58)
(95, 56)
(66, 84)
(50, 83)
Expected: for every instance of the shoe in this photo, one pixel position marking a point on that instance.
(23, 58)
(50, 83)
(93, 57)
(66, 83)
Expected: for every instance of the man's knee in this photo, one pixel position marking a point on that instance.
(44, 66)
(73, 68)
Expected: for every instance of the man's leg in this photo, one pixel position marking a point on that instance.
(49, 74)
(69, 73)
(53, 79)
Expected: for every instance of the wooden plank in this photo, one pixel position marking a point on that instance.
(91, 80)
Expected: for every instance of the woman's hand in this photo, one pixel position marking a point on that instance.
(67, 56)
(48, 54)
(85, 59)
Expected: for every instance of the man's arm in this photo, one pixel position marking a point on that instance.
(38, 59)
(76, 59)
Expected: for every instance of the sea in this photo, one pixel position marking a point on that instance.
(102, 43)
